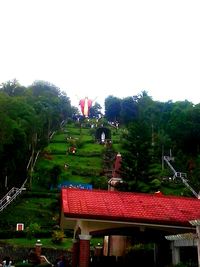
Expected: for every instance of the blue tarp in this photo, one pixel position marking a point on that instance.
(74, 185)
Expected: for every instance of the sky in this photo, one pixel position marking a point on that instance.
(100, 48)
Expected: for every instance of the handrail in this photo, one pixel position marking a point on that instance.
(180, 175)
(11, 195)
(14, 191)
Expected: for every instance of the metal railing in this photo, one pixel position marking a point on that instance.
(14, 192)
(11, 195)
(180, 175)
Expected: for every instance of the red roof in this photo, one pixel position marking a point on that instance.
(129, 207)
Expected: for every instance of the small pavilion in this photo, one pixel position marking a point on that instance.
(90, 211)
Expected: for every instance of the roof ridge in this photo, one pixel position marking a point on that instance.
(131, 193)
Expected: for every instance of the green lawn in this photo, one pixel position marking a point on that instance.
(58, 147)
(86, 165)
(73, 131)
(31, 209)
(46, 242)
(74, 162)
(83, 167)
(84, 162)
(59, 137)
(91, 147)
(49, 163)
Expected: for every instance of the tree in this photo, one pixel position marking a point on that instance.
(95, 111)
(12, 88)
(51, 105)
(180, 127)
(112, 108)
(136, 160)
(17, 122)
(27, 116)
(129, 110)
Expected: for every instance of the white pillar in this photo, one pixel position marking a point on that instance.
(175, 254)
(198, 243)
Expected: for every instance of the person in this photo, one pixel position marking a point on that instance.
(6, 262)
(64, 262)
(33, 258)
(8, 198)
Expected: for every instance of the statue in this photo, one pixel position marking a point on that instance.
(85, 104)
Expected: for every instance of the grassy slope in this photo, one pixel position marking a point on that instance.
(31, 208)
(82, 166)
(85, 166)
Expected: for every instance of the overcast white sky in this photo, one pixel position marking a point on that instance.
(106, 47)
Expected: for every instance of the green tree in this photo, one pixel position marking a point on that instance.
(180, 127)
(95, 110)
(51, 105)
(129, 110)
(12, 88)
(17, 122)
(112, 108)
(32, 230)
(28, 118)
(135, 163)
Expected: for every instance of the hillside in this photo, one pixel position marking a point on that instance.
(85, 165)
(91, 164)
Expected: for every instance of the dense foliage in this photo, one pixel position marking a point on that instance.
(28, 116)
(155, 129)
(152, 129)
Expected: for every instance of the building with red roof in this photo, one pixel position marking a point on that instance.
(89, 212)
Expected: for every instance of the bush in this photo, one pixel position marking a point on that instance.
(57, 236)
(32, 230)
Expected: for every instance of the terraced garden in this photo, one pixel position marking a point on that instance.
(56, 165)
(85, 165)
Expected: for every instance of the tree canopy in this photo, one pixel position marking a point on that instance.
(28, 116)
(152, 129)
(155, 129)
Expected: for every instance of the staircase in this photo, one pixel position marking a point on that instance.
(10, 196)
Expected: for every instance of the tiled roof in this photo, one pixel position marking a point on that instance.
(129, 207)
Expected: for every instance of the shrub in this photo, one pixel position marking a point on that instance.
(57, 236)
(32, 230)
